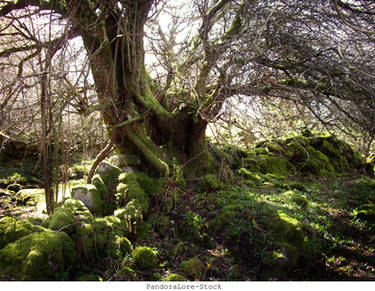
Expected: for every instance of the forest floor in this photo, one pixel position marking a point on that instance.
(231, 227)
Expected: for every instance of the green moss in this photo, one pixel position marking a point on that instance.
(97, 181)
(108, 173)
(296, 198)
(145, 258)
(37, 256)
(288, 230)
(12, 229)
(317, 163)
(119, 247)
(62, 219)
(250, 176)
(297, 186)
(152, 186)
(119, 226)
(274, 147)
(179, 249)
(193, 228)
(209, 183)
(261, 151)
(193, 268)
(127, 274)
(87, 277)
(130, 190)
(79, 209)
(365, 212)
(175, 277)
(90, 196)
(275, 165)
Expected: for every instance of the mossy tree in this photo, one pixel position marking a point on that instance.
(239, 48)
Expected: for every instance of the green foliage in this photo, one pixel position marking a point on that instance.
(145, 257)
(193, 268)
(175, 277)
(193, 228)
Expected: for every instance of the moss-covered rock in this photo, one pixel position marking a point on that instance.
(130, 190)
(275, 165)
(127, 274)
(318, 163)
(193, 268)
(145, 257)
(37, 256)
(175, 277)
(289, 230)
(119, 247)
(92, 237)
(12, 229)
(90, 196)
(79, 209)
(209, 183)
(62, 219)
(108, 173)
(249, 176)
(109, 202)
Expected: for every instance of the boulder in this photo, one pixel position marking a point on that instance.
(12, 229)
(109, 173)
(37, 256)
(145, 258)
(90, 196)
(62, 219)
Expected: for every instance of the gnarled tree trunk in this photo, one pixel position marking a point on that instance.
(136, 122)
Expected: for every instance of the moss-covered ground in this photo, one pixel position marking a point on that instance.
(293, 209)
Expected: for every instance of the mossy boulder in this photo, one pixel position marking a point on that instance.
(79, 209)
(175, 277)
(37, 256)
(193, 268)
(109, 202)
(127, 274)
(317, 163)
(92, 238)
(90, 196)
(209, 183)
(145, 258)
(62, 219)
(275, 165)
(130, 190)
(108, 173)
(289, 230)
(12, 229)
(365, 212)
(119, 247)
(246, 174)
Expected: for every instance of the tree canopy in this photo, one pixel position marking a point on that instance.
(316, 53)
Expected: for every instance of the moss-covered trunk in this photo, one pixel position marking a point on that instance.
(137, 123)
